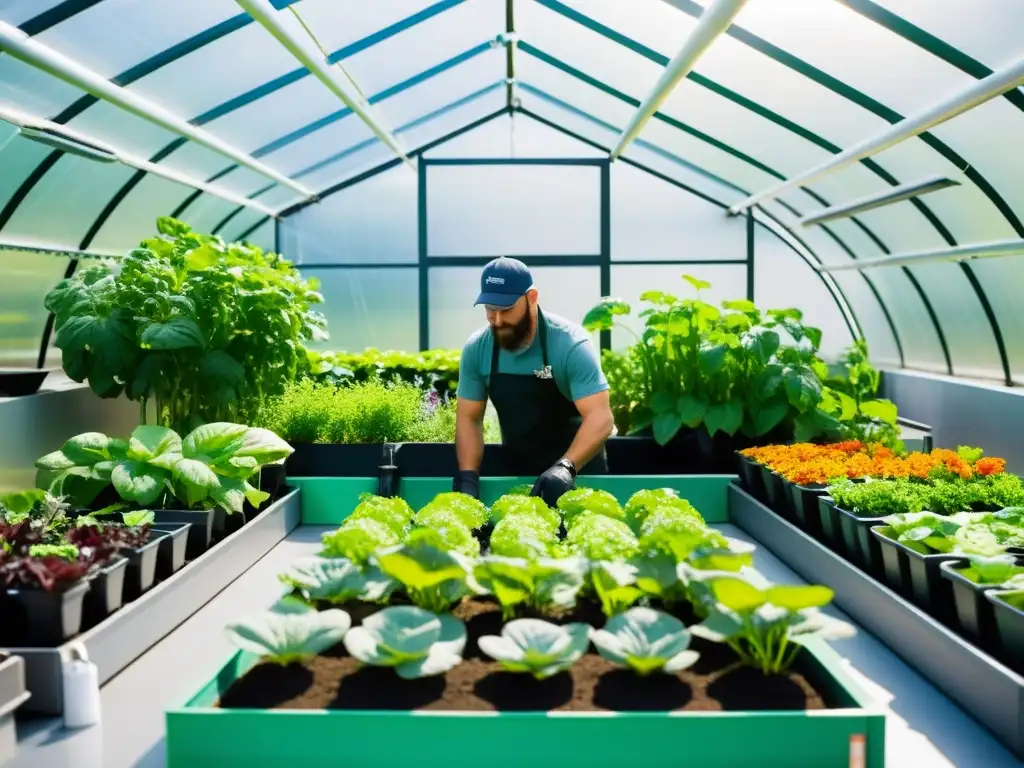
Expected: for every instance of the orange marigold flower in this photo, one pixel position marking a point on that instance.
(990, 465)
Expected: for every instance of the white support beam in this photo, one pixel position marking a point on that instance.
(979, 92)
(870, 202)
(32, 52)
(50, 249)
(264, 13)
(102, 150)
(712, 23)
(992, 250)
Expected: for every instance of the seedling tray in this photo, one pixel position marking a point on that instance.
(124, 636)
(199, 734)
(989, 691)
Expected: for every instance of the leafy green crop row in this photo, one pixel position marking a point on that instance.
(656, 549)
(436, 369)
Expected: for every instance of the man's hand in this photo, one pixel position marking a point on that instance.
(467, 482)
(552, 484)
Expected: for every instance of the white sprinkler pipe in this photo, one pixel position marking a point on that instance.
(712, 23)
(983, 90)
(959, 253)
(24, 120)
(264, 13)
(21, 46)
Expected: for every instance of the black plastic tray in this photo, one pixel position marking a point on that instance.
(990, 692)
(129, 632)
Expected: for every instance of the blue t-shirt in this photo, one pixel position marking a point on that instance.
(575, 363)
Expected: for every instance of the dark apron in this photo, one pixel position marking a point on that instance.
(538, 424)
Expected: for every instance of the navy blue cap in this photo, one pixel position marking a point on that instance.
(503, 281)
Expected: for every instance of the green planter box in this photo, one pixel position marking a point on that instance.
(200, 735)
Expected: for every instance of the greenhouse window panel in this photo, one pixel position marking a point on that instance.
(264, 13)
(17, 44)
(982, 91)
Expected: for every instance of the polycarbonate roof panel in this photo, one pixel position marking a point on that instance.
(240, 222)
(28, 277)
(1003, 283)
(31, 90)
(807, 29)
(990, 32)
(279, 197)
(420, 47)
(67, 200)
(114, 35)
(135, 218)
(340, 23)
(515, 136)
(123, 130)
(17, 12)
(18, 159)
(218, 72)
(207, 212)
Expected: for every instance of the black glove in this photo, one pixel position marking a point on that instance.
(552, 484)
(468, 482)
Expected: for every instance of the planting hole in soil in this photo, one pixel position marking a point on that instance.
(335, 680)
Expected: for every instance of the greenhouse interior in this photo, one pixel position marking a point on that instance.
(379, 374)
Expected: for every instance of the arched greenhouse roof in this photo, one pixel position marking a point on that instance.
(233, 116)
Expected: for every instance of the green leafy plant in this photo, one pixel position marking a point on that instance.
(357, 540)
(998, 570)
(431, 369)
(469, 511)
(614, 583)
(201, 328)
(580, 501)
(522, 536)
(968, 533)
(537, 647)
(645, 640)
(290, 632)
(765, 625)
(541, 583)
(415, 642)
(597, 537)
(337, 580)
(726, 371)
(211, 465)
(878, 498)
(519, 505)
(432, 576)
(853, 399)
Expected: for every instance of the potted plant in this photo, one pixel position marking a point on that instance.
(971, 578)
(179, 479)
(1008, 606)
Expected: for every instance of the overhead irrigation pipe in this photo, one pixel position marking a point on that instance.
(893, 195)
(712, 23)
(264, 13)
(983, 90)
(21, 46)
(959, 253)
(77, 142)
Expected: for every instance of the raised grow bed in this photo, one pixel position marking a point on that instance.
(710, 710)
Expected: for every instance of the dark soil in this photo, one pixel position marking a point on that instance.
(335, 680)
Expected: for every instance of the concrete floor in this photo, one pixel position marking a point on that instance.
(924, 729)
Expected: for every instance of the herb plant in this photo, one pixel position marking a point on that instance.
(198, 327)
